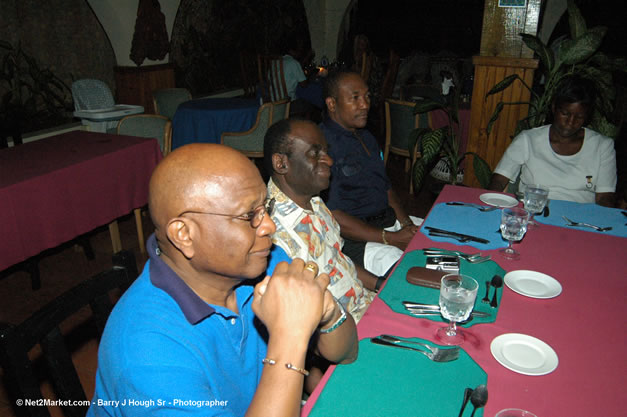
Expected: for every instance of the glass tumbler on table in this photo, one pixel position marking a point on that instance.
(513, 228)
(457, 299)
(535, 198)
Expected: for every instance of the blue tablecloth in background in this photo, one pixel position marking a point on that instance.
(204, 120)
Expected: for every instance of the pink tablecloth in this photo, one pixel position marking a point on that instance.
(60, 187)
(583, 324)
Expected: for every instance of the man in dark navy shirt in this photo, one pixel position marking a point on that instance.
(360, 195)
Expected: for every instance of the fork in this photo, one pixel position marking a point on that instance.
(473, 259)
(597, 228)
(477, 206)
(433, 353)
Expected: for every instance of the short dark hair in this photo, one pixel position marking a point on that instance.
(331, 84)
(576, 89)
(277, 140)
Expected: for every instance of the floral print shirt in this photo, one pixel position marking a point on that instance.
(315, 236)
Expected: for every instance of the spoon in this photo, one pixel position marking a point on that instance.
(497, 282)
(486, 299)
(479, 398)
(467, 394)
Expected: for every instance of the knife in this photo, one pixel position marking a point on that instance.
(419, 312)
(455, 235)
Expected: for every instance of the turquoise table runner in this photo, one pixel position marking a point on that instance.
(585, 213)
(468, 221)
(388, 381)
(397, 289)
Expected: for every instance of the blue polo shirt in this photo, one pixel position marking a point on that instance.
(167, 352)
(359, 183)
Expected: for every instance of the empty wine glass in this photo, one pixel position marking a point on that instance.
(535, 198)
(513, 228)
(457, 299)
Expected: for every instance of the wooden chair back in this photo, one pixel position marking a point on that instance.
(250, 142)
(43, 328)
(272, 78)
(148, 126)
(400, 121)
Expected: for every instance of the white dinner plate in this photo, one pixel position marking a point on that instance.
(498, 200)
(524, 354)
(533, 284)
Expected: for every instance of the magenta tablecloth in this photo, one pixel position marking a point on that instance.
(60, 187)
(583, 324)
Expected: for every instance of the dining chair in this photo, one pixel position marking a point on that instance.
(250, 142)
(280, 110)
(147, 126)
(272, 78)
(167, 100)
(24, 368)
(400, 121)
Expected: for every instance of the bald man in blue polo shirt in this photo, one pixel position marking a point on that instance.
(200, 332)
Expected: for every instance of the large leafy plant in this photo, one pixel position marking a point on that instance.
(443, 144)
(30, 95)
(577, 54)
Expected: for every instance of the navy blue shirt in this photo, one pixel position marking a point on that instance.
(359, 185)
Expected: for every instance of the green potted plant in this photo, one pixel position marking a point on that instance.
(31, 97)
(578, 54)
(441, 148)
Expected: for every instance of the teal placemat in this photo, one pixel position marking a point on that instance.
(397, 289)
(388, 381)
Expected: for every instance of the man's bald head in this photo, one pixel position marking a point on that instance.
(194, 177)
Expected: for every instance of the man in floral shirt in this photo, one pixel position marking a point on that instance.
(296, 156)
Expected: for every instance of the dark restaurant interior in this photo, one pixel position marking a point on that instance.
(138, 47)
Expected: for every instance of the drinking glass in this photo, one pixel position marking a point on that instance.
(513, 228)
(457, 299)
(535, 198)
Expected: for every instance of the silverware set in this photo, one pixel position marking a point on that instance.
(581, 224)
(477, 206)
(419, 309)
(434, 231)
(436, 354)
(473, 259)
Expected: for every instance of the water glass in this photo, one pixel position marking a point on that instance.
(535, 198)
(513, 228)
(457, 299)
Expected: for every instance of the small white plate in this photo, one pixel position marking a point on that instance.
(498, 200)
(533, 284)
(524, 354)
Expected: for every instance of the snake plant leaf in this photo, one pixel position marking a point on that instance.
(431, 144)
(418, 173)
(546, 55)
(495, 116)
(502, 85)
(583, 47)
(481, 168)
(576, 21)
(414, 136)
